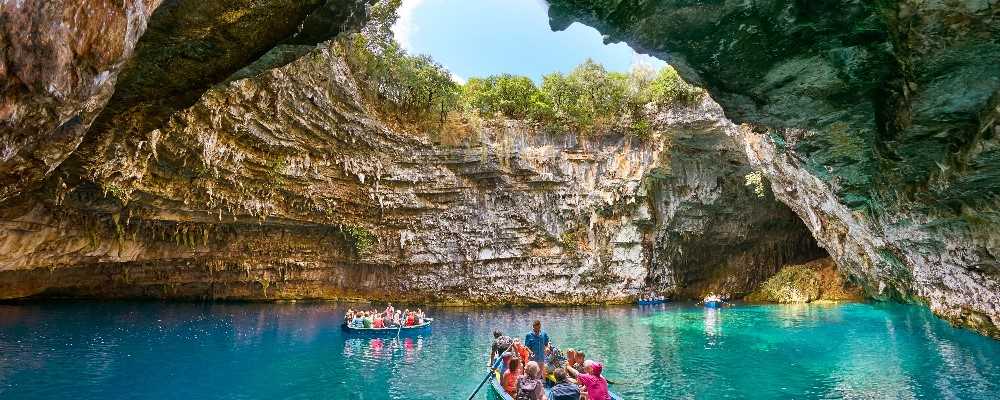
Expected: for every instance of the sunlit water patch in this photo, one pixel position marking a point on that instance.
(298, 351)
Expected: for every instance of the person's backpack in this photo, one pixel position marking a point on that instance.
(526, 388)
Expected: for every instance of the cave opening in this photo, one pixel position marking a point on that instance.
(490, 40)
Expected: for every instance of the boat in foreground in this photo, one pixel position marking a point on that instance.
(422, 328)
(495, 390)
(713, 304)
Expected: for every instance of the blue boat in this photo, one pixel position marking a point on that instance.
(650, 302)
(495, 390)
(406, 330)
(713, 304)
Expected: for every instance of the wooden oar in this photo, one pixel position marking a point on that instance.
(493, 369)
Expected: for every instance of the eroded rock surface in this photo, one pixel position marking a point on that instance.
(59, 61)
(874, 121)
(272, 186)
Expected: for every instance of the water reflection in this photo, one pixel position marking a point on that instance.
(713, 324)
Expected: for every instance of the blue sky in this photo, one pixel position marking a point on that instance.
(487, 37)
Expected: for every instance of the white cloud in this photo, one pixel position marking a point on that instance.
(458, 79)
(405, 27)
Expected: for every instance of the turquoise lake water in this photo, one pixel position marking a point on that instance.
(298, 351)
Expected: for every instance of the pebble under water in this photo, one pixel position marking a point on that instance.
(298, 351)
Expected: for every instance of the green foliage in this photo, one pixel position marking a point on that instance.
(668, 87)
(412, 88)
(588, 101)
(510, 95)
(757, 181)
(361, 240)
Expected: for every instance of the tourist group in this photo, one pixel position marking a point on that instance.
(527, 368)
(388, 318)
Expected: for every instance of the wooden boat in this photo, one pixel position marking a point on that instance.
(495, 390)
(650, 302)
(415, 329)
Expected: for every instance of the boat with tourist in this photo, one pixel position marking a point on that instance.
(651, 300)
(390, 321)
(713, 301)
(536, 369)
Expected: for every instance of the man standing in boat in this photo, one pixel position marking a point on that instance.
(536, 340)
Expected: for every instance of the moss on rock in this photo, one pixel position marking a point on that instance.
(806, 283)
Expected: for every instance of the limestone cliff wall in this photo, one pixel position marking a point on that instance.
(874, 120)
(267, 186)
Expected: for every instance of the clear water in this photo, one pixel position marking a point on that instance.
(297, 351)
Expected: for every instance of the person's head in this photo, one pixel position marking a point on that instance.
(595, 368)
(580, 357)
(514, 364)
(561, 375)
(536, 326)
(570, 355)
(588, 366)
(532, 369)
(497, 333)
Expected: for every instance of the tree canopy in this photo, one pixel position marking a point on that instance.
(588, 101)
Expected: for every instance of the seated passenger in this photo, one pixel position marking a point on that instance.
(378, 323)
(410, 318)
(521, 350)
(504, 362)
(509, 378)
(578, 363)
(530, 385)
(356, 322)
(590, 378)
(564, 389)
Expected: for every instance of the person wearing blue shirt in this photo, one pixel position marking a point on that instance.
(536, 341)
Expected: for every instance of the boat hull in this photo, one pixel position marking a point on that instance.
(713, 304)
(650, 302)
